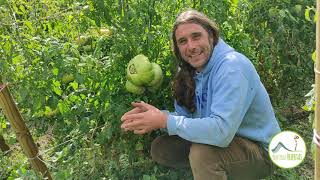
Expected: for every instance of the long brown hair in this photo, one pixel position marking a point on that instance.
(183, 82)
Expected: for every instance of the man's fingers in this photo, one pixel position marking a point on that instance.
(127, 115)
(133, 111)
(139, 105)
(132, 116)
(143, 105)
(132, 125)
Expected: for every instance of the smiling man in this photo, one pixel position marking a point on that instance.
(195, 44)
(223, 120)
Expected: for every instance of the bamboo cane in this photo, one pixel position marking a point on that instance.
(23, 135)
(317, 90)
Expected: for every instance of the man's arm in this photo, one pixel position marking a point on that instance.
(227, 111)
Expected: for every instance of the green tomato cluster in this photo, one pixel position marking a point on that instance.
(86, 40)
(142, 75)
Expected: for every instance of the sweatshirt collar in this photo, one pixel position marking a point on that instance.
(220, 49)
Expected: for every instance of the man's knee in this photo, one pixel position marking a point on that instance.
(206, 163)
(236, 161)
(202, 155)
(170, 151)
(156, 148)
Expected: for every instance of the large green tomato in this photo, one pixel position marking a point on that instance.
(154, 89)
(82, 40)
(158, 76)
(133, 88)
(140, 71)
(105, 32)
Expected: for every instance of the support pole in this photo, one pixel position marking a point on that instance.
(23, 135)
(317, 91)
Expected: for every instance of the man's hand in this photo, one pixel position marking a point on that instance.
(143, 119)
(133, 111)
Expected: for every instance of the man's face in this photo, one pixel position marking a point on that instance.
(194, 44)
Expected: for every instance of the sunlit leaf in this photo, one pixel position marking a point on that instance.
(307, 14)
(23, 10)
(16, 9)
(17, 59)
(63, 108)
(7, 46)
(3, 125)
(314, 56)
(57, 90)
(74, 85)
(29, 25)
(56, 87)
(55, 71)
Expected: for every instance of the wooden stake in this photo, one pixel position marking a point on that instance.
(23, 135)
(317, 91)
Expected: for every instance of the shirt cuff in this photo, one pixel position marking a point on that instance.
(171, 125)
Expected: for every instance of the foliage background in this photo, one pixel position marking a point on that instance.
(77, 122)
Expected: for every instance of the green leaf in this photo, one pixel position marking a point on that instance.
(234, 5)
(49, 27)
(63, 108)
(7, 46)
(29, 25)
(146, 177)
(16, 60)
(307, 14)
(84, 126)
(96, 103)
(23, 10)
(3, 125)
(56, 83)
(153, 177)
(282, 13)
(314, 56)
(306, 108)
(139, 146)
(74, 85)
(109, 133)
(298, 8)
(47, 109)
(55, 71)
(273, 12)
(16, 9)
(56, 87)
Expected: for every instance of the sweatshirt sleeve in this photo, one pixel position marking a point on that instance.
(179, 111)
(226, 112)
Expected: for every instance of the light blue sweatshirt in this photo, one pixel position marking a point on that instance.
(230, 100)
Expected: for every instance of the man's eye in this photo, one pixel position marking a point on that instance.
(196, 36)
(182, 41)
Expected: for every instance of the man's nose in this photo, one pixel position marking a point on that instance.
(191, 46)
